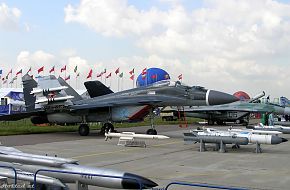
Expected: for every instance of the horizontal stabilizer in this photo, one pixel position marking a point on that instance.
(97, 88)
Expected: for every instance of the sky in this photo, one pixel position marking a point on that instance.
(226, 45)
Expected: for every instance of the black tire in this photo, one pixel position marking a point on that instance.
(151, 132)
(84, 130)
(210, 122)
(220, 122)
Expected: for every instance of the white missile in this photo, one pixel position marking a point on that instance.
(133, 135)
(38, 90)
(264, 132)
(46, 100)
(275, 128)
(27, 165)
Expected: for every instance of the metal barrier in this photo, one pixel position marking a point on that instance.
(203, 185)
(15, 174)
(79, 173)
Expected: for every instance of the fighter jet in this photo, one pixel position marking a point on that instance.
(27, 165)
(237, 112)
(52, 100)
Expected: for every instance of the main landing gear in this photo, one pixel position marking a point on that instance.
(84, 129)
(151, 131)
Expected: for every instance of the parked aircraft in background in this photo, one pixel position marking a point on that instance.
(52, 100)
(237, 112)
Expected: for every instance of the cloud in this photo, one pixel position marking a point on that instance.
(9, 18)
(113, 18)
(222, 44)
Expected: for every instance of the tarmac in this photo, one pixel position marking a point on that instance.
(169, 160)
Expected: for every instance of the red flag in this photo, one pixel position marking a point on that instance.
(51, 70)
(19, 72)
(67, 78)
(132, 72)
(100, 74)
(63, 69)
(132, 77)
(40, 69)
(144, 71)
(29, 70)
(180, 77)
(117, 71)
(154, 76)
(90, 74)
(109, 75)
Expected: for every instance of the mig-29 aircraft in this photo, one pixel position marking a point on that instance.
(52, 100)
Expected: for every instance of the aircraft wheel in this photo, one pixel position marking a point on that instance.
(210, 122)
(238, 121)
(84, 130)
(220, 122)
(151, 132)
(236, 146)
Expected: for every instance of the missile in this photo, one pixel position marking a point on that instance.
(133, 135)
(122, 180)
(38, 90)
(46, 100)
(275, 128)
(215, 139)
(262, 139)
(261, 132)
(258, 96)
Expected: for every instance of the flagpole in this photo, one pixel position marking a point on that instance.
(118, 83)
(122, 83)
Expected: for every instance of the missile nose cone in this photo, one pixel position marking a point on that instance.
(276, 140)
(130, 183)
(215, 98)
(284, 140)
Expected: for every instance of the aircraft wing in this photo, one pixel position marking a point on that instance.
(152, 100)
(27, 176)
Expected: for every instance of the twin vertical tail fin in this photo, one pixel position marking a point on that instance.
(96, 88)
(69, 90)
(28, 84)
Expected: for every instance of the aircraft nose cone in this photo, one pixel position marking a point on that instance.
(215, 98)
(276, 140)
(130, 183)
